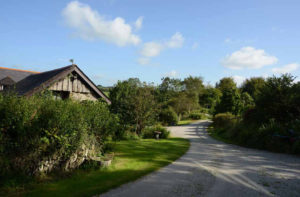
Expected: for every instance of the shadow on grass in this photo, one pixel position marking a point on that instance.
(133, 159)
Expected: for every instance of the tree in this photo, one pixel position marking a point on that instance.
(230, 102)
(134, 102)
(210, 97)
(253, 86)
(168, 89)
(226, 83)
(193, 84)
(247, 102)
(231, 99)
(183, 103)
(278, 99)
(144, 110)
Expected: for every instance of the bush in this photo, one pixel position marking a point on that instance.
(149, 132)
(35, 128)
(296, 147)
(129, 135)
(168, 116)
(224, 120)
(196, 116)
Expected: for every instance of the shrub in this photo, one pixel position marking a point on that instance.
(296, 147)
(224, 120)
(196, 116)
(129, 135)
(149, 132)
(35, 128)
(168, 116)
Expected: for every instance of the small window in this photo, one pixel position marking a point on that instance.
(61, 95)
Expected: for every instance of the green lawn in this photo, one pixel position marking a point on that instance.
(185, 122)
(133, 159)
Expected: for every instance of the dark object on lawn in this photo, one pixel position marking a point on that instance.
(157, 133)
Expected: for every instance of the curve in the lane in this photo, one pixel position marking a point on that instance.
(212, 168)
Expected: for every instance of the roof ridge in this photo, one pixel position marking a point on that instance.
(19, 70)
(61, 68)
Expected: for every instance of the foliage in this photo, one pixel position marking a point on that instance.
(253, 86)
(225, 84)
(196, 116)
(39, 127)
(193, 84)
(230, 102)
(246, 102)
(132, 160)
(150, 132)
(223, 120)
(209, 98)
(279, 99)
(168, 116)
(168, 89)
(184, 103)
(134, 103)
(129, 135)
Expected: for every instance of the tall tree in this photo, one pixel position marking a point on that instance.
(231, 99)
(193, 84)
(226, 83)
(210, 97)
(277, 99)
(168, 88)
(183, 103)
(230, 102)
(134, 102)
(253, 86)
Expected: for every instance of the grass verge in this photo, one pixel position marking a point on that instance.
(218, 137)
(133, 159)
(185, 122)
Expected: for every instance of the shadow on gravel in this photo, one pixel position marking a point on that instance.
(242, 169)
(213, 168)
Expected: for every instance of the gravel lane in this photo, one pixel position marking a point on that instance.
(213, 168)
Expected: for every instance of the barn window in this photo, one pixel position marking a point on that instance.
(61, 95)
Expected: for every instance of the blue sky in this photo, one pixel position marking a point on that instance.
(113, 40)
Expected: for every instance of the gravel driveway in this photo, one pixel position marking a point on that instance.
(212, 168)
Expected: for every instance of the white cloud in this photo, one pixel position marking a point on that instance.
(138, 23)
(195, 45)
(143, 60)
(90, 25)
(286, 69)
(171, 74)
(176, 41)
(238, 79)
(153, 49)
(248, 57)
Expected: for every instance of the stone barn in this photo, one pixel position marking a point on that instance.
(67, 82)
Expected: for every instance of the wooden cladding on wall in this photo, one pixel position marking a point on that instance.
(70, 84)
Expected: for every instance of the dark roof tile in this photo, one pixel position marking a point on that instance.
(14, 74)
(37, 80)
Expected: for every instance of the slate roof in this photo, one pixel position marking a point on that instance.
(7, 81)
(30, 82)
(14, 74)
(38, 82)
